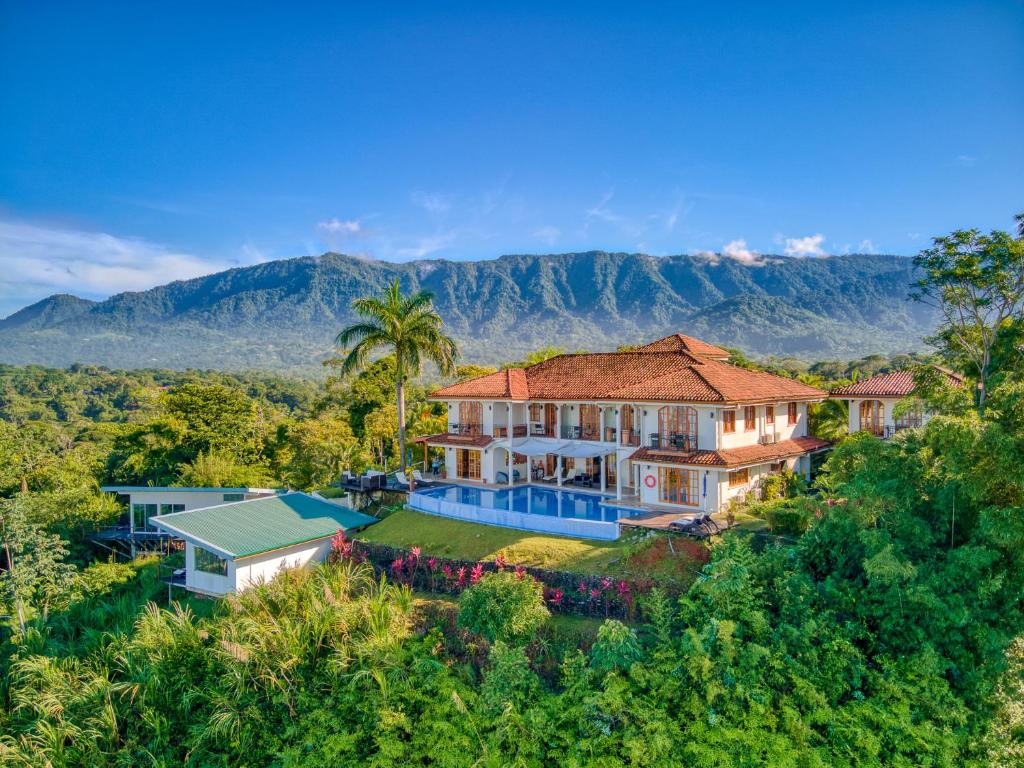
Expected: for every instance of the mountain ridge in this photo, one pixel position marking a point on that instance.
(284, 314)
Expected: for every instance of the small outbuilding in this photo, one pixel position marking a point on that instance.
(229, 547)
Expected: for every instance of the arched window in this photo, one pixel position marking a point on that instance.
(677, 427)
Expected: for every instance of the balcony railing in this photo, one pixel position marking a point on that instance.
(468, 429)
(575, 432)
(673, 442)
(541, 430)
(518, 430)
(631, 437)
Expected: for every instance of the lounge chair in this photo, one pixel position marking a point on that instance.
(421, 481)
(700, 525)
(402, 480)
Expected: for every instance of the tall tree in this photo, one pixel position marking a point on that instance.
(976, 282)
(408, 326)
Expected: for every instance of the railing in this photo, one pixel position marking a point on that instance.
(673, 442)
(468, 429)
(573, 432)
(518, 430)
(541, 430)
(875, 429)
(631, 437)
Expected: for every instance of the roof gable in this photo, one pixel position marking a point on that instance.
(680, 342)
(892, 384)
(250, 527)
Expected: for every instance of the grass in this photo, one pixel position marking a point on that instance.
(472, 541)
(635, 555)
(330, 492)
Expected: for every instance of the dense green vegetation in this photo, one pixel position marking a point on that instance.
(886, 628)
(284, 315)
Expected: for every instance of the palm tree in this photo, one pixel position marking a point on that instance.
(407, 325)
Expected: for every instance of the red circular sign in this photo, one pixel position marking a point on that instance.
(650, 481)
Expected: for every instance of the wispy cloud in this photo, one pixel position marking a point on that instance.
(866, 246)
(41, 260)
(805, 246)
(337, 226)
(966, 161)
(548, 234)
(425, 246)
(432, 202)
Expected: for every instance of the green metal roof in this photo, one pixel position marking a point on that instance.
(246, 528)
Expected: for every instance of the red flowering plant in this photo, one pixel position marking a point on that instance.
(341, 548)
(477, 573)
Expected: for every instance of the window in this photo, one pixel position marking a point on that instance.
(169, 509)
(739, 477)
(728, 421)
(208, 562)
(678, 486)
(791, 409)
(677, 427)
(769, 414)
(141, 514)
(590, 422)
(234, 497)
(536, 410)
(471, 417)
(872, 416)
(749, 418)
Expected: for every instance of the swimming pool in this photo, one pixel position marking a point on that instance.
(527, 507)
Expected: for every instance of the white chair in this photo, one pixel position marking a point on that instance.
(401, 479)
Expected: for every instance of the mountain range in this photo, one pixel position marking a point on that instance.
(283, 315)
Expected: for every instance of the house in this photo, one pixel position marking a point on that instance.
(145, 501)
(670, 423)
(231, 546)
(871, 402)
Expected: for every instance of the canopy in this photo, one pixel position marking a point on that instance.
(539, 446)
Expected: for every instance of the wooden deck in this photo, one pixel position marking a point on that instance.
(660, 518)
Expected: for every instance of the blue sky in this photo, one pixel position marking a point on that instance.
(141, 143)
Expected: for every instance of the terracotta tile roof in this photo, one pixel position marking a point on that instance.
(456, 441)
(733, 457)
(680, 342)
(638, 375)
(892, 384)
(509, 384)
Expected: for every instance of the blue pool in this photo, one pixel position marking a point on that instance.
(530, 507)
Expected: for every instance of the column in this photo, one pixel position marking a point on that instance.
(618, 478)
(618, 429)
(604, 472)
(558, 421)
(558, 470)
(509, 462)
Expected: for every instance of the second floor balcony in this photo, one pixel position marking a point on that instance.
(673, 441)
(466, 429)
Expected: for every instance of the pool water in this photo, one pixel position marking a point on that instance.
(534, 500)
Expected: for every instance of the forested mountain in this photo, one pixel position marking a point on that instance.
(284, 314)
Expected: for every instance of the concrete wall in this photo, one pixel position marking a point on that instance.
(264, 567)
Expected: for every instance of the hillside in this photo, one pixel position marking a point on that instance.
(284, 314)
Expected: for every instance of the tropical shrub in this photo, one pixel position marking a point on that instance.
(616, 647)
(503, 606)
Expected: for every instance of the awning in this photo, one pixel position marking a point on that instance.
(539, 446)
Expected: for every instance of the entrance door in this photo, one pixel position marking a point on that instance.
(467, 463)
(549, 419)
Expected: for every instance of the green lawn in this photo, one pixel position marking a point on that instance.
(473, 541)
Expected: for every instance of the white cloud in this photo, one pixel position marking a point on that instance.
(38, 261)
(738, 251)
(548, 234)
(337, 226)
(805, 246)
(966, 161)
(866, 246)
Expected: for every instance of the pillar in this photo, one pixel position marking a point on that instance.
(509, 452)
(618, 479)
(558, 470)
(604, 472)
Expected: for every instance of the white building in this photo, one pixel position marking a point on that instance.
(872, 402)
(668, 424)
(232, 546)
(146, 502)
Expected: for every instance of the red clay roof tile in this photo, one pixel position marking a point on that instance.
(892, 384)
(732, 457)
(639, 375)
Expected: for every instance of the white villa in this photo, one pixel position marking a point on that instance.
(872, 402)
(669, 424)
(147, 501)
(229, 547)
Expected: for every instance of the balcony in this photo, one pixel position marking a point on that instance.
(588, 432)
(539, 429)
(631, 438)
(675, 441)
(466, 429)
(518, 430)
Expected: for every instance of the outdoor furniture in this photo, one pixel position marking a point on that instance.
(421, 481)
(584, 480)
(700, 525)
(402, 480)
